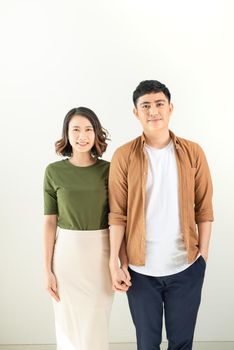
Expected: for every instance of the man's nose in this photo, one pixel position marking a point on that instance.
(153, 111)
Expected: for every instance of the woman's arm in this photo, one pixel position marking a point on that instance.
(50, 227)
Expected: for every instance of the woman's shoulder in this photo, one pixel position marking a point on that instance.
(103, 166)
(103, 162)
(55, 165)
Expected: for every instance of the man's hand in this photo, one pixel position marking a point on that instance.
(124, 267)
(120, 279)
(204, 254)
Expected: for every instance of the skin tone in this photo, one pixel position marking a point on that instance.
(81, 137)
(121, 279)
(153, 112)
(204, 232)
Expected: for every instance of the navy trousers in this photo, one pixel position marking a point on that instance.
(177, 295)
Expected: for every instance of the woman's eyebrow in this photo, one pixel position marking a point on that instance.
(77, 126)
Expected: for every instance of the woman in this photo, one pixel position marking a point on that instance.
(76, 236)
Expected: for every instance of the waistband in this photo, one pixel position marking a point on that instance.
(101, 232)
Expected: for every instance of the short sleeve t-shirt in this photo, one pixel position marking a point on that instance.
(78, 195)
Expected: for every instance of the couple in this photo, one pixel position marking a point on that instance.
(159, 210)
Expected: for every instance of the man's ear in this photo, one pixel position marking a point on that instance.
(135, 112)
(171, 108)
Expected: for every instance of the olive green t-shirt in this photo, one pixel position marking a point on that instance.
(78, 195)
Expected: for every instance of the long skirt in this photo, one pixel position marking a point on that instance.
(81, 268)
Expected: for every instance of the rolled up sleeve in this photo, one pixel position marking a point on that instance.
(118, 189)
(203, 189)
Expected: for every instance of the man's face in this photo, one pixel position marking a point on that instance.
(153, 111)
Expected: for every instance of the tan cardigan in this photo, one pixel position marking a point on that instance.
(127, 193)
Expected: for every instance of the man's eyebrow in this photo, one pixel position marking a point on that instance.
(145, 103)
(148, 103)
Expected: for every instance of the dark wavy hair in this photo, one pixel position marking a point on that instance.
(63, 147)
(149, 87)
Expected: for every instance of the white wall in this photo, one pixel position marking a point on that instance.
(59, 54)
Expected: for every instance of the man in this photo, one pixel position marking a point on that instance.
(160, 194)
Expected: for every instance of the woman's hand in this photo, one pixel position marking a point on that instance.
(51, 286)
(120, 281)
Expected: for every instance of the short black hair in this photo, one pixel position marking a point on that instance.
(149, 87)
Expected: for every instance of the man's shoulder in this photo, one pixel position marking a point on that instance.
(129, 146)
(124, 153)
(193, 149)
(186, 143)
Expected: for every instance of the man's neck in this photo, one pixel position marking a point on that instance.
(158, 139)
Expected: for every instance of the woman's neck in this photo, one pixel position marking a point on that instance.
(82, 159)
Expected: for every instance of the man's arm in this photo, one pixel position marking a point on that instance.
(203, 189)
(118, 197)
(204, 232)
(123, 255)
(120, 275)
(203, 202)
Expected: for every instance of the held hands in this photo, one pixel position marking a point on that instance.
(121, 279)
(51, 286)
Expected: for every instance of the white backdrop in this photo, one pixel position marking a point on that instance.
(56, 55)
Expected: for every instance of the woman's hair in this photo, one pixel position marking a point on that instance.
(63, 147)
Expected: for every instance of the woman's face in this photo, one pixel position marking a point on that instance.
(81, 134)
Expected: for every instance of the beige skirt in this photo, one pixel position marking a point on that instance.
(81, 267)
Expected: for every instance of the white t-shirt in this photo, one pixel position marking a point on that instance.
(165, 250)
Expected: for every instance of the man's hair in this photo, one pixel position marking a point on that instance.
(149, 87)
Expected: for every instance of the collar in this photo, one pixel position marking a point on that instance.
(172, 135)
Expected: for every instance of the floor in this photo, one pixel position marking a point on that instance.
(129, 346)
